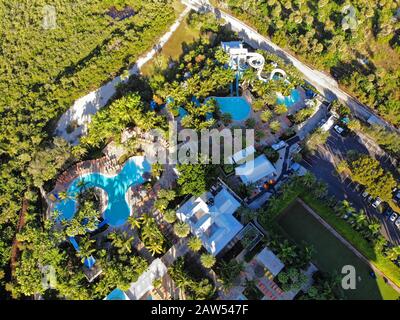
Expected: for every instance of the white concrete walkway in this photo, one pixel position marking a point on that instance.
(83, 108)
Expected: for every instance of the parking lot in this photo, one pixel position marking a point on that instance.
(322, 165)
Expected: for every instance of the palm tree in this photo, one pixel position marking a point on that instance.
(308, 179)
(64, 195)
(155, 248)
(266, 116)
(194, 244)
(374, 228)
(280, 109)
(275, 126)
(85, 249)
(248, 78)
(246, 214)
(226, 118)
(207, 260)
(360, 219)
(134, 222)
(287, 252)
(122, 242)
(170, 216)
(393, 253)
(181, 229)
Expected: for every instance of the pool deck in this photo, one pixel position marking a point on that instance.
(107, 165)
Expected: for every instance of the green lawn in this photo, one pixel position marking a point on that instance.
(330, 254)
(173, 48)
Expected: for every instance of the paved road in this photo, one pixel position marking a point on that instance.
(322, 166)
(324, 83)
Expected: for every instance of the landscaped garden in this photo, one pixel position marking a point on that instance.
(330, 255)
(367, 241)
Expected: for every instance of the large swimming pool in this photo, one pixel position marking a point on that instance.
(117, 211)
(238, 107)
(289, 101)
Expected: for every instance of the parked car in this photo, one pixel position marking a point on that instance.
(393, 217)
(365, 194)
(370, 198)
(279, 145)
(397, 223)
(396, 197)
(338, 129)
(388, 212)
(377, 202)
(358, 187)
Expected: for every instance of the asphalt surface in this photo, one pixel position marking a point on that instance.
(322, 166)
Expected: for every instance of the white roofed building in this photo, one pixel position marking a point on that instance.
(255, 170)
(210, 218)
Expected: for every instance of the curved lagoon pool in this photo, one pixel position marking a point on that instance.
(289, 101)
(117, 211)
(238, 107)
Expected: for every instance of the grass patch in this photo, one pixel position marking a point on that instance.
(173, 49)
(341, 226)
(331, 254)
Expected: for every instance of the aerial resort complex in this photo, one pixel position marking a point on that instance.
(292, 191)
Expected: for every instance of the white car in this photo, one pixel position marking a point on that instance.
(377, 202)
(393, 217)
(279, 145)
(338, 129)
(365, 194)
(397, 223)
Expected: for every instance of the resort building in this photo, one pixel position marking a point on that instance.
(144, 284)
(270, 261)
(210, 217)
(242, 155)
(255, 170)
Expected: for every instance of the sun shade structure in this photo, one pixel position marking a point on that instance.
(210, 217)
(255, 170)
(270, 261)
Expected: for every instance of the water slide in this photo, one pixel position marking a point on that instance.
(256, 61)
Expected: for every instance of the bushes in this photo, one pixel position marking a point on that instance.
(371, 251)
(193, 288)
(271, 154)
(303, 114)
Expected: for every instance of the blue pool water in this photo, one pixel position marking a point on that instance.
(289, 101)
(238, 107)
(116, 294)
(117, 211)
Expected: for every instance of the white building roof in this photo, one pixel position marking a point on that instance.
(254, 170)
(231, 45)
(329, 123)
(243, 154)
(144, 283)
(211, 219)
(270, 261)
